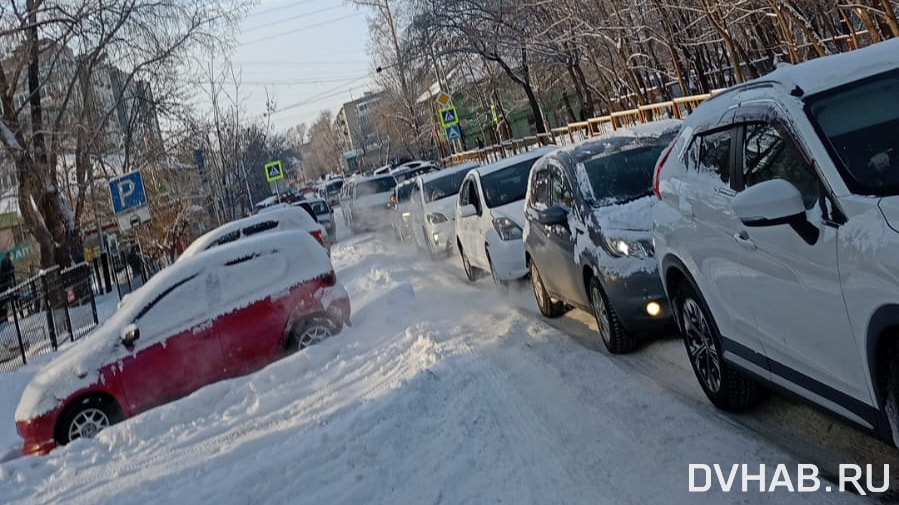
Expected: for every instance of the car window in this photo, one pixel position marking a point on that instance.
(712, 152)
(560, 189)
(174, 309)
(320, 208)
(247, 275)
(413, 193)
(622, 174)
(443, 187)
(465, 193)
(540, 191)
(768, 154)
(259, 227)
(507, 185)
(375, 186)
(224, 239)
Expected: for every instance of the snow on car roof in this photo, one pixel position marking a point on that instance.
(828, 72)
(465, 167)
(300, 258)
(518, 158)
(293, 217)
(590, 147)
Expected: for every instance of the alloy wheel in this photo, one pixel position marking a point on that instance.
(701, 345)
(601, 314)
(88, 423)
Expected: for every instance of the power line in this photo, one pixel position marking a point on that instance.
(286, 20)
(281, 7)
(297, 28)
(321, 96)
(297, 62)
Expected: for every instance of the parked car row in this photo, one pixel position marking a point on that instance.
(240, 297)
(761, 228)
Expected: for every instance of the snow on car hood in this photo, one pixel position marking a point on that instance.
(635, 215)
(513, 211)
(292, 263)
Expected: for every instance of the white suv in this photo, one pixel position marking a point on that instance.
(776, 234)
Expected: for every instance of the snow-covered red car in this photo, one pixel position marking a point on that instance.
(226, 312)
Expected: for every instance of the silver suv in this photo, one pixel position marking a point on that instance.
(776, 233)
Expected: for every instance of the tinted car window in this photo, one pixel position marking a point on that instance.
(507, 185)
(621, 175)
(404, 192)
(714, 154)
(767, 155)
(540, 191)
(860, 124)
(224, 239)
(444, 186)
(375, 186)
(320, 208)
(259, 227)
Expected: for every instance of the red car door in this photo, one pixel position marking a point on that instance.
(178, 350)
(250, 333)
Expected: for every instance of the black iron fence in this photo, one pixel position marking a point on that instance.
(45, 311)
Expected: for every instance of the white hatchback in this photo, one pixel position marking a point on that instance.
(432, 208)
(776, 235)
(490, 217)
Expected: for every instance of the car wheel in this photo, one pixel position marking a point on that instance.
(85, 419)
(613, 336)
(547, 306)
(470, 271)
(725, 387)
(310, 332)
(428, 248)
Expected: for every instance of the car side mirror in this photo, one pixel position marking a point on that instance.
(468, 211)
(773, 203)
(769, 203)
(130, 335)
(551, 216)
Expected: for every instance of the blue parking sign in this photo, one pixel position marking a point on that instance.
(127, 192)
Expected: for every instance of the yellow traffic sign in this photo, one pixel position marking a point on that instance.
(274, 171)
(444, 100)
(449, 117)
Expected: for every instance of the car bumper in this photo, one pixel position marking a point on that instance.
(631, 294)
(442, 237)
(373, 218)
(37, 434)
(507, 259)
(336, 302)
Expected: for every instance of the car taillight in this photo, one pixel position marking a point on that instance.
(658, 172)
(318, 236)
(329, 279)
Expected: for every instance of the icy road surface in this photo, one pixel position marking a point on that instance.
(443, 392)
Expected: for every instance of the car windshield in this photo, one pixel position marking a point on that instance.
(859, 122)
(507, 185)
(445, 186)
(375, 186)
(625, 174)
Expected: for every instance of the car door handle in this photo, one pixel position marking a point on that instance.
(743, 239)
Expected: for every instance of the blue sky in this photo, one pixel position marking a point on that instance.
(310, 54)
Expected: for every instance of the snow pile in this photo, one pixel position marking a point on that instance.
(443, 392)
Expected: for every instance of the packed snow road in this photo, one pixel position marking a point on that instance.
(442, 392)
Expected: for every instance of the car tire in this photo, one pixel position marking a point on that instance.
(547, 306)
(428, 248)
(87, 417)
(470, 272)
(615, 339)
(496, 280)
(309, 332)
(727, 388)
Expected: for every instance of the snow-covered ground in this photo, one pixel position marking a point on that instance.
(442, 392)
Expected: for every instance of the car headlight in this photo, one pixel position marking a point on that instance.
(437, 218)
(628, 248)
(507, 229)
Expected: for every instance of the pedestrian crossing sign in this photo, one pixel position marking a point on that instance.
(274, 171)
(449, 117)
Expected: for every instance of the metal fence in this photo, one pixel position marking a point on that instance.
(45, 311)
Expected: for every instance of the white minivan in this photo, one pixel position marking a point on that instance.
(490, 217)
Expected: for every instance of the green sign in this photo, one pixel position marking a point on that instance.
(493, 112)
(449, 117)
(274, 171)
